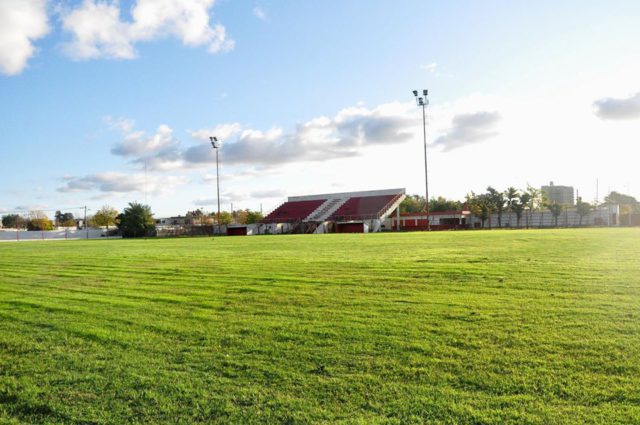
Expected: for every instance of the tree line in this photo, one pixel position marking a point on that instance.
(521, 202)
(245, 216)
(136, 220)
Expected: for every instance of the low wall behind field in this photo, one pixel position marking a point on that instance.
(14, 235)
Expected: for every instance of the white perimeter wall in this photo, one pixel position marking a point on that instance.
(24, 235)
(567, 218)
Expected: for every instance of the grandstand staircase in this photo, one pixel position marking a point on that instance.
(324, 211)
(392, 206)
(310, 227)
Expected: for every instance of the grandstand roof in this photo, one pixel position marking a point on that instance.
(364, 193)
(344, 206)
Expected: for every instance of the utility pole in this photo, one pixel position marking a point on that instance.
(145, 182)
(86, 227)
(423, 101)
(215, 144)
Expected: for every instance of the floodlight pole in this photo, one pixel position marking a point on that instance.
(423, 102)
(216, 145)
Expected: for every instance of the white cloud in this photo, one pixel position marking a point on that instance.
(618, 109)
(161, 151)
(205, 202)
(136, 145)
(222, 132)
(259, 13)
(112, 182)
(243, 174)
(21, 209)
(21, 23)
(125, 125)
(431, 67)
(268, 193)
(469, 128)
(225, 199)
(99, 32)
(319, 139)
(348, 134)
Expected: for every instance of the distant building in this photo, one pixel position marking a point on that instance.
(174, 221)
(440, 220)
(559, 194)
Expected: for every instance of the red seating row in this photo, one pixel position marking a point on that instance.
(293, 211)
(362, 207)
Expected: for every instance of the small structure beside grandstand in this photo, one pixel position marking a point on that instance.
(348, 212)
(440, 220)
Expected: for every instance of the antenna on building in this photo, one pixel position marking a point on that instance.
(145, 182)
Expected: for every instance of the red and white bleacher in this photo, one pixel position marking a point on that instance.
(338, 207)
(290, 212)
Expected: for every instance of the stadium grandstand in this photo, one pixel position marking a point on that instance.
(348, 212)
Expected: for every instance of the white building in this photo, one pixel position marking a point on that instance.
(562, 195)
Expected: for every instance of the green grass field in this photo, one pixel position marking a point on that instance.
(453, 327)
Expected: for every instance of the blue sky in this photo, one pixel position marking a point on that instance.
(311, 97)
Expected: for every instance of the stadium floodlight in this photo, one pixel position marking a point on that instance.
(215, 144)
(423, 102)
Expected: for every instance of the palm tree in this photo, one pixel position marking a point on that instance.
(511, 195)
(535, 202)
(519, 205)
(498, 201)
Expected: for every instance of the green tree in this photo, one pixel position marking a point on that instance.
(511, 196)
(535, 203)
(628, 204)
(240, 216)
(499, 202)
(13, 221)
(224, 218)
(254, 217)
(136, 221)
(622, 199)
(556, 209)
(519, 206)
(416, 203)
(443, 204)
(64, 219)
(582, 209)
(413, 204)
(480, 206)
(105, 217)
(38, 220)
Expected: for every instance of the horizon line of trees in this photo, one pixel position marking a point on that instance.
(245, 216)
(522, 203)
(136, 220)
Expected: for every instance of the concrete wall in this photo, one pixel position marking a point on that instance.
(604, 216)
(23, 235)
